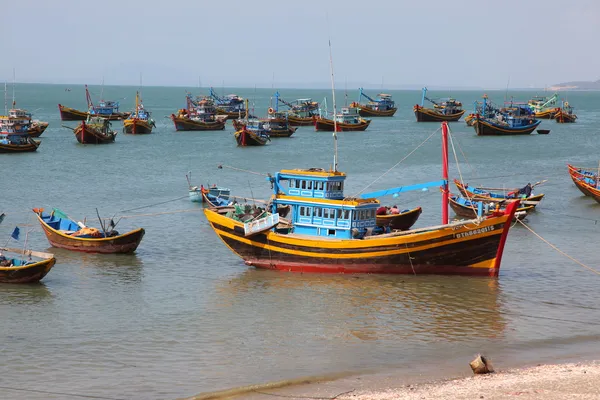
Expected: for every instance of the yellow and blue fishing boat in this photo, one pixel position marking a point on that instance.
(384, 106)
(328, 231)
(139, 122)
(447, 109)
(23, 268)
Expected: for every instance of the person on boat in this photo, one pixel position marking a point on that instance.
(381, 210)
(394, 210)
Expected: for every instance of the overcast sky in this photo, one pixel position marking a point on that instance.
(470, 43)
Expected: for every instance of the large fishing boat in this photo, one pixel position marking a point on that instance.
(383, 106)
(18, 121)
(250, 132)
(13, 143)
(200, 114)
(447, 109)
(512, 119)
(483, 108)
(104, 108)
(231, 105)
(331, 232)
(348, 120)
(139, 121)
(302, 112)
(565, 114)
(543, 107)
(95, 130)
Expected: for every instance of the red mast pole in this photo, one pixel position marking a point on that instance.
(445, 191)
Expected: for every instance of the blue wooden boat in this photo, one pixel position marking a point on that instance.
(512, 119)
(231, 105)
(524, 194)
(484, 108)
(195, 192)
(466, 208)
(302, 112)
(383, 106)
(22, 267)
(214, 201)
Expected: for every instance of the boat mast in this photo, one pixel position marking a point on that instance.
(14, 83)
(335, 128)
(5, 100)
(445, 191)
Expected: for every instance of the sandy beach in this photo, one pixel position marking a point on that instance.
(548, 382)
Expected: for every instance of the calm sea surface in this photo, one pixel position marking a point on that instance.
(184, 315)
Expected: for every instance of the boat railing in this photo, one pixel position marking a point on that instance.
(261, 225)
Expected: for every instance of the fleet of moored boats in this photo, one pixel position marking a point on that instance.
(309, 224)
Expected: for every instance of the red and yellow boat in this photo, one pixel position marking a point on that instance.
(139, 122)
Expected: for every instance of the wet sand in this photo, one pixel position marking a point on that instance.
(548, 382)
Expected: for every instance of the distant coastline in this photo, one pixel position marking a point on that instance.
(576, 85)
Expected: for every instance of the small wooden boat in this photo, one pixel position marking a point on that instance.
(578, 175)
(470, 208)
(543, 107)
(346, 121)
(588, 187)
(302, 112)
(448, 110)
(401, 222)
(384, 106)
(23, 268)
(213, 201)
(246, 137)
(139, 122)
(18, 144)
(565, 114)
(195, 192)
(523, 194)
(107, 109)
(96, 130)
(66, 233)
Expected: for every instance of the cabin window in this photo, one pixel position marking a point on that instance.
(331, 232)
(326, 213)
(339, 213)
(346, 214)
(308, 211)
(303, 184)
(328, 186)
(332, 213)
(318, 212)
(292, 183)
(302, 210)
(320, 185)
(310, 184)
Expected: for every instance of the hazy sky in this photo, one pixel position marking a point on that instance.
(475, 43)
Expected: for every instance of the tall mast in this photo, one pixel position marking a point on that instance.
(5, 100)
(14, 83)
(102, 90)
(335, 146)
(445, 191)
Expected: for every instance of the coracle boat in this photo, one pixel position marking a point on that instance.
(18, 121)
(565, 114)
(22, 268)
(66, 233)
(466, 208)
(18, 144)
(139, 122)
(513, 119)
(106, 109)
(384, 106)
(524, 195)
(96, 130)
(402, 221)
(231, 105)
(302, 112)
(330, 232)
(195, 192)
(199, 115)
(543, 107)
(346, 121)
(448, 110)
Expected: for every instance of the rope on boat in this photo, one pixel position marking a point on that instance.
(557, 249)
(155, 204)
(398, 163)
(221, 166)
(471, 204)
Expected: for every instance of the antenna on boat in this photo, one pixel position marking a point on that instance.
(102, 90)
(14, 83)
(5, 100)
(335, 147)
(506, 93)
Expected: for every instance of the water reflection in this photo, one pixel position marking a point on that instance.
(370, 307)
(127, 267)
(25, 294)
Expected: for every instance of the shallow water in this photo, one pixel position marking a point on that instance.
(184, 315)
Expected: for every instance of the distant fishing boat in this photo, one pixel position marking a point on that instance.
(447, 109)
(524, 195)
(347, 120)
(473, 208)
(19, 121)
(139, 122)
(543, 107)
(106, 109)
(251, 134)
(565, 114)
(485, 109)
(18, 144)
(96, 130)
(63, 232)
(195, 192)
(513, 119)
(23, 267)
(302, 112)
(384, 106)
(199, 115)
(231, 105)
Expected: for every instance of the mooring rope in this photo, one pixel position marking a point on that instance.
(470, 198)
(557, 249)
(155, 204)
(221, 166)
(398, 163)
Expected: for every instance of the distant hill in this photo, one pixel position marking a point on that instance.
(577, 85)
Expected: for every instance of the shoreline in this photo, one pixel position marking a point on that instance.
(567, 377)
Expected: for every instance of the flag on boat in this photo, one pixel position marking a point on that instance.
(15, 234)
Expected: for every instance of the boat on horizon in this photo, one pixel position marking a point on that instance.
(105, 108)
(302, 112)
(66, 233)
(139, 122)
(383, 106)
(447, 109)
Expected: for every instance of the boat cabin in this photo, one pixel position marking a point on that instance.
(384, 103)
(349, 115)
(318, 206)
(18, 121)
(105, 108)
